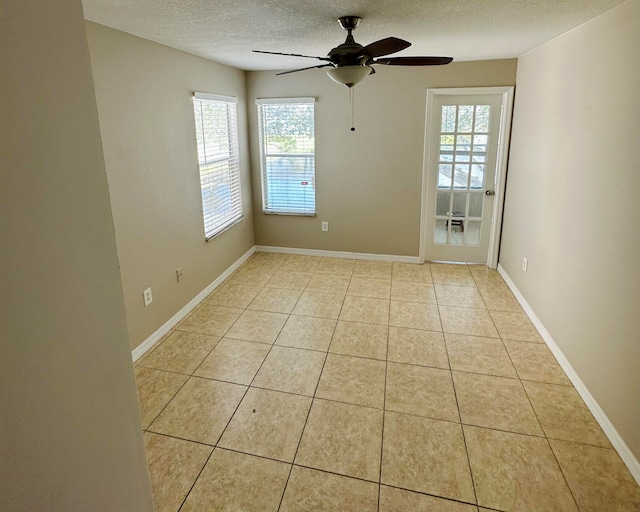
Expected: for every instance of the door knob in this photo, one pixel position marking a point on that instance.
(489, 192)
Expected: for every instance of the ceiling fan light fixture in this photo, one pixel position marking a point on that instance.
(349, 75)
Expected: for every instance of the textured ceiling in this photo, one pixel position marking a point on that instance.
(227, 30)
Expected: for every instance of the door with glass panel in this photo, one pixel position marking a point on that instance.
(462, 154)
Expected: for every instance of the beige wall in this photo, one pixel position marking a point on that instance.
(368, 182)
(70, 436)
(572, 204)
(144, 94)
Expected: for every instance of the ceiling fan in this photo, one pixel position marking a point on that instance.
(351, 62)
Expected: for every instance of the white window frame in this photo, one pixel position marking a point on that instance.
(219, 213)
(270, 206)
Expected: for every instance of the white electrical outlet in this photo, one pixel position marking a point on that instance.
(325, 226)
(179, 274)
(148, 297)
(525, 262)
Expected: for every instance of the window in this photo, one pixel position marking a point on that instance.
(287, 154)
(219, 161)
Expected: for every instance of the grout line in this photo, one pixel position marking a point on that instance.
(464, 438)
(231, 416)
(384, 409)
(196, 479)
(546, 438)
(173, 436)
(304, 427)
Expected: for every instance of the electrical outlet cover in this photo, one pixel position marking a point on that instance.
(148, 296)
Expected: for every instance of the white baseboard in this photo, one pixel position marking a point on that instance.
(616, 440)
(339, 254)
(147, 344)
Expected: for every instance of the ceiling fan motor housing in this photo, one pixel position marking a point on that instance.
(349, 22)
(348, 53)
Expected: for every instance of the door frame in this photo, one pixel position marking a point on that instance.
(501, 163)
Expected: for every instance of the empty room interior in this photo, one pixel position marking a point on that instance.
(420, 291)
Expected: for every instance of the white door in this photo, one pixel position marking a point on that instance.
(464, 167)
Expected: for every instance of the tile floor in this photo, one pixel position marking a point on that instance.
(307, 383)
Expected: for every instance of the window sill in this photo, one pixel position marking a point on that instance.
(296, 214)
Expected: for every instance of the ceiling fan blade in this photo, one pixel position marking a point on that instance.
(304, 69)
(385, 47)
(292, 55)
(414, 61)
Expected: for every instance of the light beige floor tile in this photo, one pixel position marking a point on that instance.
(267, 423)
(342, 438)
(474, 322)
(140, 360)
(484, 276)
(416, 346)
(515, 326)
(211, 320)
(268, 259)
(233, 481)
(495, 402)
(597, 477)
(300, 263)
(399, 500)
(412, 272)
(336, 266)
(174, 465)
(309, 490)
(461, 296)
(290, 369)
(233, 361)
(563, 415)
(452, 274)
(288, 280)
(259, 326)
(375, 269)
(414, 315)
(370, 287)
(408, 291)
(534, 361)
(329, 283)
(479, 355)
(364, 309)
(155, 389)
(200, 410)
(321, 305)
(307, 332)
(232, 296)
(426, 455)
(422, 391)
(181, 352)
(362, 340)
(275, 300)
(515, 472)
(254, 270)
(353, 380)
(499, 298)
(251, 276)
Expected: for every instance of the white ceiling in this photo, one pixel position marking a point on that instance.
(227, 30)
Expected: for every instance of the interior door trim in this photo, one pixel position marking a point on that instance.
(501, 163)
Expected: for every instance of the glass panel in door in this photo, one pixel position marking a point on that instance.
(463, 142)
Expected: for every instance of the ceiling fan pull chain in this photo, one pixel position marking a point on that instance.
(353, 105)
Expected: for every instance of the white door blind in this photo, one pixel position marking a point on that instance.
(287, 147)
(219, 161)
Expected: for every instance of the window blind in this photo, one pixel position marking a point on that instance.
(219, 162)
(287, 150)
